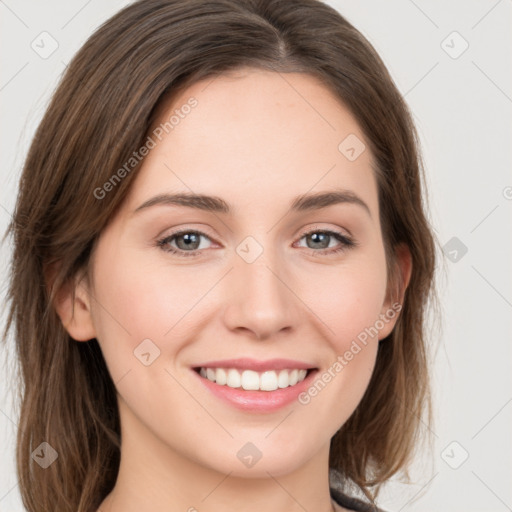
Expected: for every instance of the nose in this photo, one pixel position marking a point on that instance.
(260, 301)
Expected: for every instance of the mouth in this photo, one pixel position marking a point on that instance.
(256, 386)
(250, 380)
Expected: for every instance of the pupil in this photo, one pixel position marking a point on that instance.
(317, 236)
(189, 239)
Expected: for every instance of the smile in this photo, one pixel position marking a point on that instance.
(251, 380)
(256, 386)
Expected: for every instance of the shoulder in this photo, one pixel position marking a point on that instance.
(353, 504)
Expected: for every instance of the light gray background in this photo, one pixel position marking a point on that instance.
(462, 106)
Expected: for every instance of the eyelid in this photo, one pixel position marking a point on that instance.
(204, 231)
(319, 227)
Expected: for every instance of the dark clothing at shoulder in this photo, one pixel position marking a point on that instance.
(353, 503)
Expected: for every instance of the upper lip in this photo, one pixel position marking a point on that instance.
(257, 366)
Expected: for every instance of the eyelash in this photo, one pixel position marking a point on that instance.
(346, 243)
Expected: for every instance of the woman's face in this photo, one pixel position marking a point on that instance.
(262, 279)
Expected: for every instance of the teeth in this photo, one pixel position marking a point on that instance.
(268, 381)
(234, 379)
(253, 381)
(221, 376)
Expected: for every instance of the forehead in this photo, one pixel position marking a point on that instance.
(253, 135)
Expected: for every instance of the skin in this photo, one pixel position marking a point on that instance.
(254, 141)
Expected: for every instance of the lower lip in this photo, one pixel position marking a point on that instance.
(258, 401)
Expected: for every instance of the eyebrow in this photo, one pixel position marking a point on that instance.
(215, 204)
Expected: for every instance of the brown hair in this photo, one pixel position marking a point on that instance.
(100, 113)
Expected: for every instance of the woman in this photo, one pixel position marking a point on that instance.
(221, 267)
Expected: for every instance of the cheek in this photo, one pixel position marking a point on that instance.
(348, 300)
(131, 306)
(354, 311)
(147, 300)
(351, 314)
(140, 301)
(348, 303)
(140, 318)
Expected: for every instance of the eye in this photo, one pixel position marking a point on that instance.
(187, 243)
(321, 241)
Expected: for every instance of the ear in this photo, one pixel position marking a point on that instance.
(73, 305)
(398, 282)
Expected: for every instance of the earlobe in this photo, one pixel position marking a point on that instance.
(73, 306)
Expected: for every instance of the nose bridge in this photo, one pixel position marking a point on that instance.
(260, 299)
